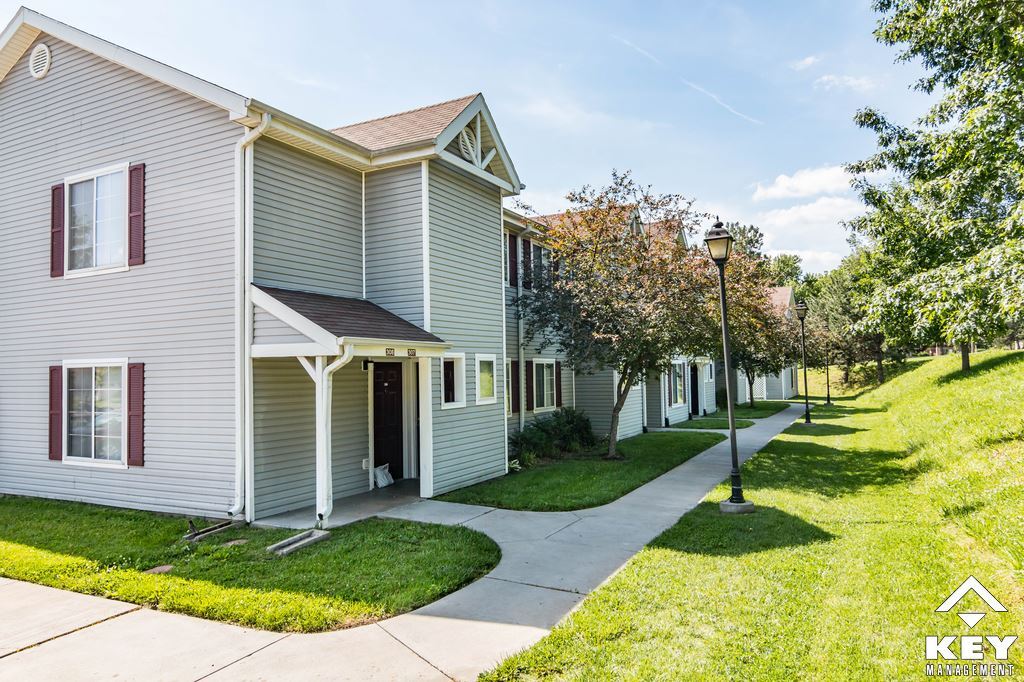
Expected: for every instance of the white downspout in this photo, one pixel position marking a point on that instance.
(243, 316)
(520, 330)
(325, 391)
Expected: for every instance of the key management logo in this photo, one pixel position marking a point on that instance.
(964, 655)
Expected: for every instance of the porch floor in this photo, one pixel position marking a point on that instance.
(351, 508)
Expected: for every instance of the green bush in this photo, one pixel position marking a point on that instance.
(566, 431)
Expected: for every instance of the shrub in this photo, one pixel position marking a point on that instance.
(566, 431)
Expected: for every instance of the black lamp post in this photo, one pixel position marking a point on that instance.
(828, 361)
(801, 312)
(719, 243)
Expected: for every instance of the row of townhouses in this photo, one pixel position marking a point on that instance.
(213, 307)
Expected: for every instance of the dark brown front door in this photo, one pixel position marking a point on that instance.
(387, 417)
(694, 391)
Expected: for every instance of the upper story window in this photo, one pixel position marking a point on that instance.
(97, 221)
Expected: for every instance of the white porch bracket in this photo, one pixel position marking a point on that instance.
(322, 373)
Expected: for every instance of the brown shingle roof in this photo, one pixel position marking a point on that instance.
(408, 127)
(352, 317)
(781, 296)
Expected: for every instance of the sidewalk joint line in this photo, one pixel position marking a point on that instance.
(69, 632)
(414, 652)
(242, 658)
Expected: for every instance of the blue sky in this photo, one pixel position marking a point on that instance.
(745, 106)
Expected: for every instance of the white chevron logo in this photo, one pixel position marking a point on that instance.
(969, 585)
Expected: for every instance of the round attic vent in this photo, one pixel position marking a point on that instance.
(39, 61)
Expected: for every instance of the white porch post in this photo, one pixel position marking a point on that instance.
(426, 428)
(323, 382)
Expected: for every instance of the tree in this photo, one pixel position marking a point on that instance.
(747, 239)
(784, 269)
(763, 339)
(950, 225)
(623, 290)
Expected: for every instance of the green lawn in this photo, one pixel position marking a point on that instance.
(587, 481)
(712, 423)
(363, 572)
(866, 521)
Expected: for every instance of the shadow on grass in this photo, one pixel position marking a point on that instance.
(816, 428)
(985, 365)
(705, 530)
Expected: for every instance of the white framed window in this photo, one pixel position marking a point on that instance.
(96, 222)
(508, 386)
(95, 412)
(453, 380)
(486, 386)
(677, 387)
(543, 385)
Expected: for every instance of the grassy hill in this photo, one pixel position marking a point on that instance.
(868, 519)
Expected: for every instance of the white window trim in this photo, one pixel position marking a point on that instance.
(493, 359)
(460, 380)
(81, 461)
(507, 385)
(68, 181)
(554, 399)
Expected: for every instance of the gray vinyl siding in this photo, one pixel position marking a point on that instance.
(709, 390)
(268, 329)
(394, 241)
(467, 311)
(174, 313)
(307, 222)
(595, 395)
(284, 435)
(654, 394)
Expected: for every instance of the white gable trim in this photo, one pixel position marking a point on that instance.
(26, 26)
(301, 324)
(478, 106)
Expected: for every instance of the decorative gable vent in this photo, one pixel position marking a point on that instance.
(39, 61)
(471, 145)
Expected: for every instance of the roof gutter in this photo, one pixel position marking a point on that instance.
(243, 315)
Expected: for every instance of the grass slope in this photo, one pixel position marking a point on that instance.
(587, 481)
(363, 572)
(867, 520)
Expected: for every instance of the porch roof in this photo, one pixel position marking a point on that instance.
(354, 318)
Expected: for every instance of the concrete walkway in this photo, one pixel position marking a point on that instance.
(550, 561)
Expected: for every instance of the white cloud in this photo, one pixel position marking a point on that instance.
(638, 50)
(813, 261)
(831, 81)
(806, 219)
(806, 182)
(565, 114)
(540, 201)
(718, 100)
(805, 63)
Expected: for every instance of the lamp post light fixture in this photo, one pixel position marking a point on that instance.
(719, 243)
(828, 361)
(801, 313)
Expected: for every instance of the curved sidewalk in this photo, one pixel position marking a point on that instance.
(550, 561)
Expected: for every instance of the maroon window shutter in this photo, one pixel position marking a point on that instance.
(449, 380)
(513, 260)
(515, 386)
(527, 265)
(558, 383)
(136, 409)
(529, 385)
(137, 214)
(57, 230)
(56, 412)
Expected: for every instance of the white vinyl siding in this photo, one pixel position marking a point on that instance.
(269, 329)
(176, 313)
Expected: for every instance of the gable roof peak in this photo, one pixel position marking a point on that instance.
(422, 124)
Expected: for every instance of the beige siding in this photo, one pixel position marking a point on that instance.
(394, 241)
(174, 313)
(307, 222)
(467, 311)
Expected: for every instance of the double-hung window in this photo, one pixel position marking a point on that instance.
(95, 427)
(678, 388)
(485, 385)
(508, 387)
(544, 384)
(96, 238)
